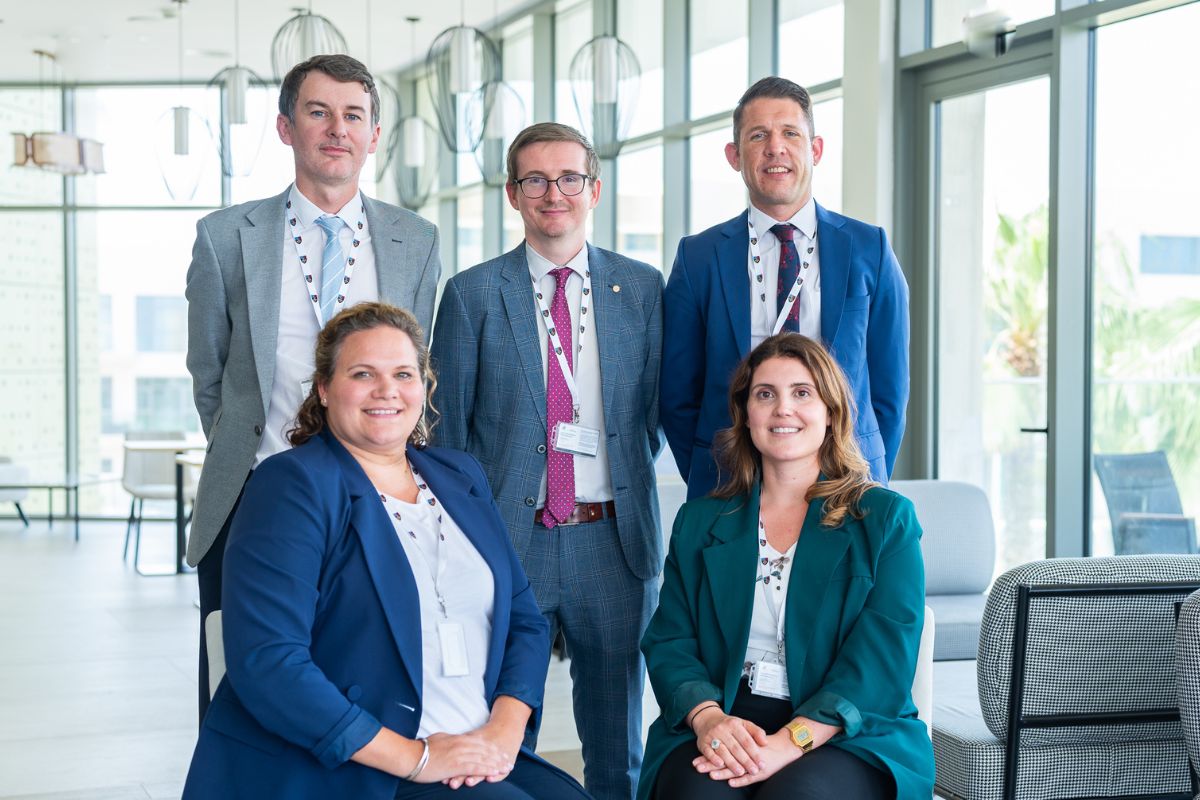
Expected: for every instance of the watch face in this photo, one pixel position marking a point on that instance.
(801, 736)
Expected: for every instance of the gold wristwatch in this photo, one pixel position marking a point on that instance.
(801, 736)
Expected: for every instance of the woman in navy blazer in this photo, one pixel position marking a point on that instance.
(326, 624)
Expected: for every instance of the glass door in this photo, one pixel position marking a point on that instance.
(990, 181)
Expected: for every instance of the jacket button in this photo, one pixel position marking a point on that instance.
(353, 693)
(258, 430)
(541, 448)
(529, 501)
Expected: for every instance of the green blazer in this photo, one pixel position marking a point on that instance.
(855, 609)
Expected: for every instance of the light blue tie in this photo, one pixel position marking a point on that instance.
(333, 265)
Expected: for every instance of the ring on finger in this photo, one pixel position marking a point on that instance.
(715, 744)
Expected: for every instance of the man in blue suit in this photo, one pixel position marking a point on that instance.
(547, 361)
(785, 264)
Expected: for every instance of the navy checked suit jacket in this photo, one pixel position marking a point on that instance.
(491, 393)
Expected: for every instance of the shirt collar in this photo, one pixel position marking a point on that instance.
(540, 266)
(306, 211)
(805, 219)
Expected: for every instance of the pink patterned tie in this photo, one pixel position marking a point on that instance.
(789, 268)
(560, 467)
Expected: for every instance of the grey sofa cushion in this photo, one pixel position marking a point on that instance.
(958, 541)
(970, 759)
(958, 617)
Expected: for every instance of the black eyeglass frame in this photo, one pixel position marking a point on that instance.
(521, 184)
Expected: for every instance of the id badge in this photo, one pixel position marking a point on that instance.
(454, 650)
(578, 440)
(769, 680)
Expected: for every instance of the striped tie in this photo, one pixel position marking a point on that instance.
(333, 265)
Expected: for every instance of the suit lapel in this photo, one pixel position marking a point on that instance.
(606, 306)
(390, 250)
(262, 267)
(729, 564)
(834, 244)
(732, 253)
(818, 552)
(390, 572)
(517, 294)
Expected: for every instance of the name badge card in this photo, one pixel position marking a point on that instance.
(768, 679)
(454, 650)
(578, 440)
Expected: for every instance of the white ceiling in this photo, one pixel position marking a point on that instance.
(137, 40)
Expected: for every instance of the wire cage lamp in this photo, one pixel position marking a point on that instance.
(302, 37)
(605, 80)
(461, 60)
(505, 120)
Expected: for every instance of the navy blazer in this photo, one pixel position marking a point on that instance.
(706, 312)
(322, 626)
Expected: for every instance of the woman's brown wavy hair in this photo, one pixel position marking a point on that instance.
(311, 419)
(845, 474)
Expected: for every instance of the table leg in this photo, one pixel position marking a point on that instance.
(180, 544)
(76, 507)
(50, 508)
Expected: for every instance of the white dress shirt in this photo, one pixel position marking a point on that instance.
(458, 704)
(763, 314)
(298, 326)
(593, 484)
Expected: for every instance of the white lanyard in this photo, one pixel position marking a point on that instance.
(313, 294)
(557, 342)
(438, 569)
(764, 577)
(794, 295)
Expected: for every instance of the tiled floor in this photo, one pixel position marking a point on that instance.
(98, 670)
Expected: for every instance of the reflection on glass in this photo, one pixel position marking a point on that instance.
(948, 15)
(470, 228)
(139, 381)
(811, 40)
(572, 30)
(827, 176)
(640, 204)
(1146, 260)
(717, 191)
(28, 111)
(720, 54)
(32, 350)
(992, 301)
(640, 25)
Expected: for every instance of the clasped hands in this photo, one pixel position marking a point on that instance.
(747, 754)
(487, 753)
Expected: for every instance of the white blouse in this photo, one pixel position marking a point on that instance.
(770, 596)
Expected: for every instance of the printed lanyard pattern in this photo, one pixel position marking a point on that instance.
(557, 342)
(760, 281)
(438, 569)
(770, 573)
(313, 296)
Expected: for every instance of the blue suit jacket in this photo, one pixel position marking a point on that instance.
(322, 626)
(487, 352)
(864, 323)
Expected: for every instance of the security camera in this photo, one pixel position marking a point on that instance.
(988, 32)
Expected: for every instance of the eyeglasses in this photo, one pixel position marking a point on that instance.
(536, 186)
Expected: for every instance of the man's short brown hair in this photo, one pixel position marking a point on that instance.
(777, 88)
(340, 67)
(551, 132)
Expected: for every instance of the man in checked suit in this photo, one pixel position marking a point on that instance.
(264, 277)
(728, 291)
(547, 361)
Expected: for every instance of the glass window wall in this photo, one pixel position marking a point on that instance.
(720, 54)
(811, 40)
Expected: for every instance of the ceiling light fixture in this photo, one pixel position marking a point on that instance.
(58, 151)
(302, 37)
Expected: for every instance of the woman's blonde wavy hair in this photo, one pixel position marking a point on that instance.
(845, 474)
(311, 418)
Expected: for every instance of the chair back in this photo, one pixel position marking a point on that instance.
(1187, 677)
(1143, 504)
(216, 650)
(922, 689)
(1103, 642)
(149, 468)
(12, 473)
(959, 542)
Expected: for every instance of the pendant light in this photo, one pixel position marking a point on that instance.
(302, 37)
(605, 81)
(242, 128)
(417, 150)
(460, 61)
(183, 141)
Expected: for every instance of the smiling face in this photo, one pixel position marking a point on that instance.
(776, 153)
(554, 222)
(331, 134)
(376, 395)
(788, 420)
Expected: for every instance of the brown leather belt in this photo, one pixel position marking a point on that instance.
(584, 512)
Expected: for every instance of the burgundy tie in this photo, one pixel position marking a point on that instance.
(560, 467)
(789, 268)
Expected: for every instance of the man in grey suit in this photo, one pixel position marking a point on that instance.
(547, 361)
(266, 275)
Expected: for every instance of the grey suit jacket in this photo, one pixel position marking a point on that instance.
(491, 392)
(233, 287)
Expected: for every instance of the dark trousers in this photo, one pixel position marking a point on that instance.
(208, 579)
(827, 773)
(530, 780)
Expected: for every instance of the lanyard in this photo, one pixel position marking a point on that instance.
(765, 574)
(568, 376)
(438, 568)
(313, 295)
(793, 295)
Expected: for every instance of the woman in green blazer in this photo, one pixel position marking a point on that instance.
(802, 574)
